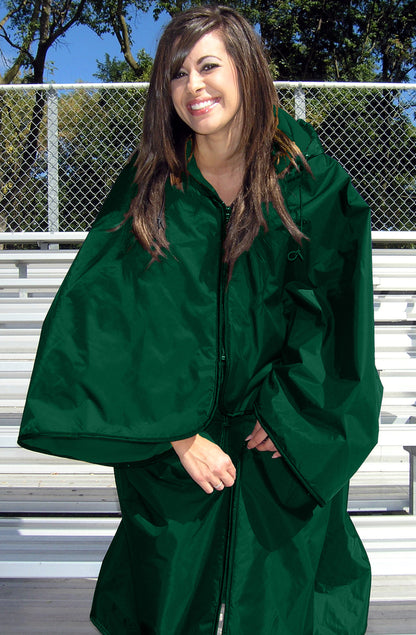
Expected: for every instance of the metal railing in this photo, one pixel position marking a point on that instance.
(61, 147)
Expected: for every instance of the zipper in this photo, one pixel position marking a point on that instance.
(224, 591)
(223, 611)
(229, 557)
(226, 213)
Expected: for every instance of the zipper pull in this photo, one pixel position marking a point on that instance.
(227, 211)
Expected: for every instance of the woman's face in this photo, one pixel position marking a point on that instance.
(205, 91)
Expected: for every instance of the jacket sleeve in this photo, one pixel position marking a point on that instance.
(320, 403)
(63, 414)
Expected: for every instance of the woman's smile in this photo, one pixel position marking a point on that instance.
(205, 91)
(198, 107)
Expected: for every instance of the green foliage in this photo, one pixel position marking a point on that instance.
(324, 40)
(32, 27)
(98, 131)
(172, 8)
(371, 133)
(116, 70)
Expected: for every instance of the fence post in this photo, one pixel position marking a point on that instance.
(300, 103)
(53, 153)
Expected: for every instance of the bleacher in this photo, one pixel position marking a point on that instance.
(57, 516)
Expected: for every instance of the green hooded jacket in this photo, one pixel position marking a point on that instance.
(132, 357)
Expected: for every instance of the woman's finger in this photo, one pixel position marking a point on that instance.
(206, 463)
(265, 440)
(256, 429)
(260, 440)
(232, 471)
(207, 487)
(224, 472)
(256, 437)
(266, 446)
(227, 479)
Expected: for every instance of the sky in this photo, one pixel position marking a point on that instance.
(74, 57)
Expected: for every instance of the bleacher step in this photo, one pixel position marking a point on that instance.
(87, 500)
(53, 547)
(74, 547)
(37, 606)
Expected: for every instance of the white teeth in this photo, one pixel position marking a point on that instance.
(202, 104)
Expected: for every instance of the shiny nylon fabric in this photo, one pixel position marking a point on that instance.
(323, 390)
(263, 548)
(132, 357)
(123, 360)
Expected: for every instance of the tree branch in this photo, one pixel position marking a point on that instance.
(121, 31)
(24, 53)
(63, 28)
(316, 35)
(4, 20)
(12, 13)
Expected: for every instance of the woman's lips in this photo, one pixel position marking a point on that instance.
(201, 107)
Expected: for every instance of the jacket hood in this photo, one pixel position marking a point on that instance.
(301, 133)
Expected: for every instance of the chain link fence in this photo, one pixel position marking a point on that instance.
(61, 147)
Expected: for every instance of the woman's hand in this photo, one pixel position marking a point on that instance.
(260, 440)
(205, 462)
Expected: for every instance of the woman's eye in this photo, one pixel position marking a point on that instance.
(209, 67)
(179, 75)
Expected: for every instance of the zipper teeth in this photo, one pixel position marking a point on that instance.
(221, 318)
(226, 212)
(229, 554)
(224, 591)
(229, 551)
(220, 356)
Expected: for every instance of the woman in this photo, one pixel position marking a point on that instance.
(232, 382)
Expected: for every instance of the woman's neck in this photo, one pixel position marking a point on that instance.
(217, 152)
(222, 165)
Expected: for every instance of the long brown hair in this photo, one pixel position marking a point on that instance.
(162, 148)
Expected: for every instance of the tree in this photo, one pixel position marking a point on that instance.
(116, 15)
(115, 70)
(306, 39)
(31, 28)
(316, 40)
(349, 40)
(340, 40)
(376, 146)
(392, 27)
(99, 129)
(322, 40)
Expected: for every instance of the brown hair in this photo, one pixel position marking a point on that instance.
(162, 148)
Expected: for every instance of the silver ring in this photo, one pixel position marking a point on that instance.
(219, 486)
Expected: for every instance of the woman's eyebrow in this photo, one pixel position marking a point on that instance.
(201, 59)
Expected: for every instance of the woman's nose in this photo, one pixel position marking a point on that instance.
(195, 82)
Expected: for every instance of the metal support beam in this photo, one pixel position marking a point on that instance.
(412, 478)
(53, 155)
(300, 103)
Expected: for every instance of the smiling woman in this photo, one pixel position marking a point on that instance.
(206, 93)
(206, 96)
(239, 166)
(232, 383)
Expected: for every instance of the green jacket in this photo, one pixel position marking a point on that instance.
(132, 357)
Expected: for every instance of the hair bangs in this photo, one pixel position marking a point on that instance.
(185, 42)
